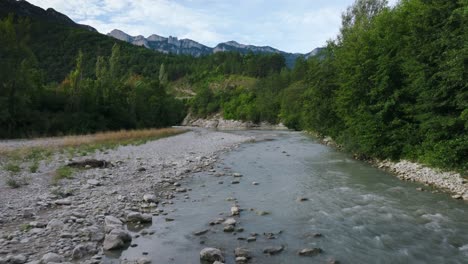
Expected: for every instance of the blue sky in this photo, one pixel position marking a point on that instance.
(289, 25)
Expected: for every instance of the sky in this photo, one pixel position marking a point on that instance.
(288, 25)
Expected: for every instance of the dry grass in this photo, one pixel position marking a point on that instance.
(84, 144)
(122, 136)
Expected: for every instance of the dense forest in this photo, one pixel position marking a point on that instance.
(392, 84)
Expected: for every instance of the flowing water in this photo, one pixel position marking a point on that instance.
(364, 215)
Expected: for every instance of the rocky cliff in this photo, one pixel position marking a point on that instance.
(187, 46)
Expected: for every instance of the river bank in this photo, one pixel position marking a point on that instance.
(69, 221)
(451, 182)
(218, 122)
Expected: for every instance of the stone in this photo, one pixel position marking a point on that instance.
(38, 224)
(80, 251)
(63, 202)
(116, 239)
(110, 220)
(237, 175)
(302, 199)
(273, 250)
(55, 224)
(149, 198)
(217, 221)
(18, 259)
(138, 217)
(93, 182)
(457, 196)
(255, 183)
(52, 258)
(241, 260)
(211, 255)
(235, 182)
(181, 190)
(310, 252)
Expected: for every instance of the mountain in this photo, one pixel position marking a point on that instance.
(164, 45)
(187, 46)
(22, 8)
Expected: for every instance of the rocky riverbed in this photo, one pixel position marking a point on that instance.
(78, 219)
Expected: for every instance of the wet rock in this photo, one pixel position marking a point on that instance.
(141, 169)
(230, 221)
(217, 221)
(168, 219)
(310, 252)
(255, 183)
(229, 228)
(242, 252)
(116, 239)
(251, 239)
(139, 217)
(457, 196)
(273, 250)
(52, 258)
(302, 199)
(202, 232)
(261, 213)
(235, 210)
(210, 255)
(241, 260)
(181, 190)
(235, 182)
(237, 175)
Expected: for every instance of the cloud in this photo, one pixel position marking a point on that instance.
(295, 26)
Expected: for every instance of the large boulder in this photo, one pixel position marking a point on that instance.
(116, 239)
(210, 255)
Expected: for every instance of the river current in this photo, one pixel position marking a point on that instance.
(363, 215)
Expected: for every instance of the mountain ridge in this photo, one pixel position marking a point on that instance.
(190, 47)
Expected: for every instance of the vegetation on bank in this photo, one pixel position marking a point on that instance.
(393, 84)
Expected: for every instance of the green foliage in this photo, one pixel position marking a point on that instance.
(34, 167)
(61, 173)
(12, 167)
(392, 85)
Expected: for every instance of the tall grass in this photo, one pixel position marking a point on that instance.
(84, 144)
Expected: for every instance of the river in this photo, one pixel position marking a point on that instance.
(364, 215)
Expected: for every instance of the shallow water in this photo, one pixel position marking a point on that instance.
(365, 215)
